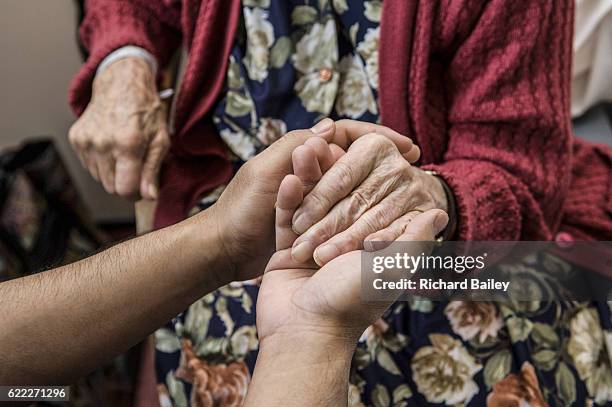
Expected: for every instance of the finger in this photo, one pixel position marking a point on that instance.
(348, 131)
(344, 224)
(290, 194)
(306, 166)
(90, 163)
(106, 171)
(282, 260)
(323, 152)
(382, 238)
(413, 155)
(425, 226)
(336, 151)
(276, 160)
(376, 218)
(346, 174)
(128, 169)
(368, 171)
(150, 169)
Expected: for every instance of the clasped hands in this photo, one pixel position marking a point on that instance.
(349, 182)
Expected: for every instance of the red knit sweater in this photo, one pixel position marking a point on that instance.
(482, 87)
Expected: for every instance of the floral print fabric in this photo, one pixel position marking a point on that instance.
(295, 62)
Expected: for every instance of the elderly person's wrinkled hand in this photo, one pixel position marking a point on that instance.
(371, 193)
(122, 136)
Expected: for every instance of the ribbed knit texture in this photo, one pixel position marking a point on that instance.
(483, 88)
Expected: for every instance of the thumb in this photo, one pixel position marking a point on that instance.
(155, 155)
(276, 159)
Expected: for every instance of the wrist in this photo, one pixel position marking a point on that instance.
(301, 370)
(449, 206)
(205, 251)
(314, 345)
(439, 195)
(124, 74)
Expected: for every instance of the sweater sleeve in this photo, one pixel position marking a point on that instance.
(508, 158)
(112, 24)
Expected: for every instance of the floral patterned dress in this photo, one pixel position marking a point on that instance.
(293, 63)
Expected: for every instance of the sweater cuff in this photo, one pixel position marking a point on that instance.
(486, 206)
(128, 51)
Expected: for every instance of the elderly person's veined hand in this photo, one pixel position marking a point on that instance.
(371, 193)
(122, 136)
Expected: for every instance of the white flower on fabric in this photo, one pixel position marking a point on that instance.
(260, 37)
(474, 320)
(444, 372)
(239, 142)
(340, 6)
(589, 347)
(317, 49)
(354, 396)
(270, 130)
(317, 52)
(368, 49)
(355, 95)
(373, 10)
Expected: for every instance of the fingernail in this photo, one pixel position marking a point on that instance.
(300, 224)
(440, 222)
(325, 254)
(323, 126)
(302, 252)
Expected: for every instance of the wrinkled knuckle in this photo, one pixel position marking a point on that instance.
(316, 202)
(359, 201)
(372, 224)
(308, 184)
(374, 138)
(349, 242)
(322, 233)
(130, 143)
(344, 173)
(102, 144)
(403, 167)
(382, 142)
(77, 137)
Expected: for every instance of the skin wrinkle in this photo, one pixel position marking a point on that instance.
(126, 161)
(391, 189)
(375, 219)
(344, 176)
(370, 191)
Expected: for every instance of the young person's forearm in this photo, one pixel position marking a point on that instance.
(301, 371)
(64, 322)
